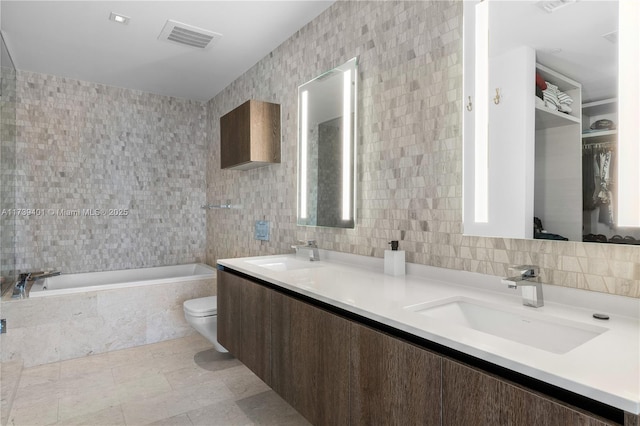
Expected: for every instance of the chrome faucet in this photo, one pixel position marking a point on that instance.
(527, 279)
(20, 289)
(311, 247)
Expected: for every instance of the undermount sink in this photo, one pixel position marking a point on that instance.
(536, 329)
(283, 263)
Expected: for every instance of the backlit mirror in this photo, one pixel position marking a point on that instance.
(548, 138)
(326, 148)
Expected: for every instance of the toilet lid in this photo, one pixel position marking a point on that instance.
(202, 307)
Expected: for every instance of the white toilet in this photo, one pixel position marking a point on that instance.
(202, 314)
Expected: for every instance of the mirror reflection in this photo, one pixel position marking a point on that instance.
(326, 148)
(552, 148)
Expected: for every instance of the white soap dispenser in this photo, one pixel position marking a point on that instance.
(394, 260)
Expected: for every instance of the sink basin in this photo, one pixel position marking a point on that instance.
(535, 329)
(283, 263)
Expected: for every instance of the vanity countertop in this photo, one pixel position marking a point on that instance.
(605, 368)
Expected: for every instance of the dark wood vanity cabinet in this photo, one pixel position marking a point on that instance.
(244, 322)
(336, 371)
(392, 381)
(470, 396)
(310, 360)
(250, 136)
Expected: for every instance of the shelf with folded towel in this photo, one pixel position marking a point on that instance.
(549, 117)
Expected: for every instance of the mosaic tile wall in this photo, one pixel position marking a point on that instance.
(7, 169)
(409, 153)
(118, 177)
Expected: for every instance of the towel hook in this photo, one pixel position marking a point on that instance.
(469, 105)
(496, 100)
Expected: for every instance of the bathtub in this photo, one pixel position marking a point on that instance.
(101, 312)
(93, 281)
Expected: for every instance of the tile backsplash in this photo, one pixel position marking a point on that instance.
(409, 153)
(115, 177)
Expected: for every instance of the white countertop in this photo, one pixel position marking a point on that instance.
(605, 368)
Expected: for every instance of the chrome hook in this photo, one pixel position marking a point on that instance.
(469, 105)
(496, 99)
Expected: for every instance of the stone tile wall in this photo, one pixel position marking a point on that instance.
(83, 147)
(7, 170)
(409, 153)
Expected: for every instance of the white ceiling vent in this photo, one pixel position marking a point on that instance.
(178, 32)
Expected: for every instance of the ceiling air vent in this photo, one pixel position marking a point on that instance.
(178, 32)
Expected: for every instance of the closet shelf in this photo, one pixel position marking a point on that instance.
(601, 133)
(547, 118)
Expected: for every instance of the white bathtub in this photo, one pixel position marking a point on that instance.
(92, 281)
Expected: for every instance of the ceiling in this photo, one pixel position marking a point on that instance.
(569, 40)
(76, 39)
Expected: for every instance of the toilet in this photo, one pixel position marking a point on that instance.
(202, 315)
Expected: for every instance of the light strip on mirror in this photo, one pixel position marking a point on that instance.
(304, 130)
(628, 113)
(481, 136)
(346, 146)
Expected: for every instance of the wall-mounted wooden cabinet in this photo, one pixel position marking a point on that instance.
(250, 136)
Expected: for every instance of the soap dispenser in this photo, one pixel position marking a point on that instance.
(394, 260)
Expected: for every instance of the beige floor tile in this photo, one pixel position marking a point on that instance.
(40, 374)
(84, 366)
(153, 366)
(180, 420)
(125, 356)
(242, 382)
(205, 366)
(144, 387)
(35, 396)
(224, 413)
(190, 344)
(267, 408)
(110, 416)
(179, 382)
(80, 384)
(28, 415)
(174, 403)
(90, 401)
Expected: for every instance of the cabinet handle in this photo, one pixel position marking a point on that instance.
(469, 105)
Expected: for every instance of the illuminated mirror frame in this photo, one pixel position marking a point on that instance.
(347, 112)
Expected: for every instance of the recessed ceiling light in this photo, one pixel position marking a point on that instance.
(120, 19)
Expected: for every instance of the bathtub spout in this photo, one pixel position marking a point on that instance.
(20, 289)
(47, 275)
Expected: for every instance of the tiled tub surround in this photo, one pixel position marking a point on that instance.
(83, 146)
(605, 368)
(48, 329)
(409, 153)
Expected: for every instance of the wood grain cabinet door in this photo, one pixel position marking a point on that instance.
(472, 397)
(244, 322)
(392, 382)
(229, 311)
(310, 360)
(469, 397)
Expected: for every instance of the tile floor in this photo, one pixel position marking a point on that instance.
(177, 382)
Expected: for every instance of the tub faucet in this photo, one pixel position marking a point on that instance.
(311, 247)
(20, 288)
(46, 275)
(527, 279)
